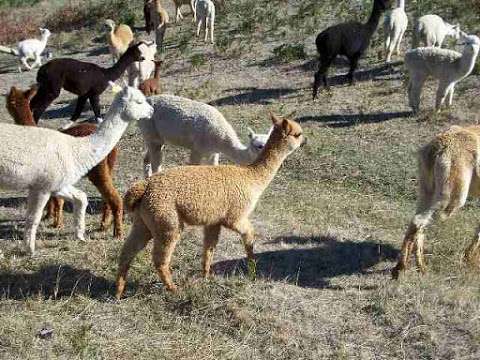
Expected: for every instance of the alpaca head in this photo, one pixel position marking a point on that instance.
(18, 105)
(286, 134)
(138, 52)
(109, 25)
(132, 103)
(45, 33)
(454, 31)
(471, 42)
(257, 143)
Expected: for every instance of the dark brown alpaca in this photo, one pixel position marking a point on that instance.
(152, 86)
(84, 79)
(101, 175)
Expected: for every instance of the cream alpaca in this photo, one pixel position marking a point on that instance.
(395, 25)
(205, 12)
(65, 159)
(209, 196)
(119, 38)
(448, 173)
(29, 49)
(448, 66)
(139, 71)
(195, 126)
(432, 30)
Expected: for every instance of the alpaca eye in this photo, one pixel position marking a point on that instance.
(139, 102)
(259, 146)
(297, 135)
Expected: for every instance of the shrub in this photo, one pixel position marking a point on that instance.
(289, 52)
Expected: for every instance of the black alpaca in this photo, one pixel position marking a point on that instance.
(84, 79)
(350, 39)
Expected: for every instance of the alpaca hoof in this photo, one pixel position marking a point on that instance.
(396, 272)
(80, 237)
(99, 120)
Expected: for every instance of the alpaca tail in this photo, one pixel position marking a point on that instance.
(8, 50)
(134, 195)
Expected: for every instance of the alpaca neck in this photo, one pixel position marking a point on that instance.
(401, 4)
(157, 73)
(237, 152)
(113, 73)
(374, 19)
(270, 160)
(467, 61)
(97, 146)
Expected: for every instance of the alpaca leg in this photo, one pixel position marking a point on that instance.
(206, 28)
(136, 241)
(415, 91)
(213, 159)
(199, 25)
(245, 229)
(156, 156)
(80, 202)
(321, 75)
(178, 14)
(35, 204)
(450, 92)
(58, 212)
(413, 238)
(353, 67)
(212, 25)
(95, 103)
(210, 241)
(472, 253)
(79, 107)
(38, 61)
(100, 176)
(192, 9)
(147, 165)
(442, 93)
(399, 42)
(163, 247)
(25, 63)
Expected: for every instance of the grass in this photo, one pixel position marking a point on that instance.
(329, 227)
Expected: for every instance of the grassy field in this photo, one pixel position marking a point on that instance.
(329, 227)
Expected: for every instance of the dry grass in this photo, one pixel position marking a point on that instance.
(329, 226)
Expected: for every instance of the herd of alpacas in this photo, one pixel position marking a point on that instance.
(205, 193)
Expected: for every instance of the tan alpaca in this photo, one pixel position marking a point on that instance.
(178, 5)
(449, 168)
(209, 196)
(156, 19)
(119, 38)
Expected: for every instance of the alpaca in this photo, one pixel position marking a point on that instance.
(448, 173)
(179, 3)
(152, 86)
(432, 30)
(29, 49)
(350, 39)
(395, 25)
(205, 12)
(65, 159)
(139, 71)
(195, 126)
(156, 19)
(208, 196)
(448, 66)
(64, 73)
(18, 105)
(119, 38)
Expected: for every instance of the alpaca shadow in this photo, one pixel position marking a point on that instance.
(344, 120)
(54, 282)
(313, 267)
(377, 73)
(11, 229)
(95, 204)
(59, 112)
(253, 96)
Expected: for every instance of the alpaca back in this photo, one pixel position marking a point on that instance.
(431, 61)
(191, 124)
(38, 171)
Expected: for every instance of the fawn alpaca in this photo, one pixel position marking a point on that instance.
(209, 196)
(18, 106)
(448, 173)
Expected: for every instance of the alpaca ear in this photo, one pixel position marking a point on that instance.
(287, 128)
(114, 87)
(251, 133)
(275, 119)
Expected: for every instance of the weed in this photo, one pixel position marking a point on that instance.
(289, 52)
(197, 60)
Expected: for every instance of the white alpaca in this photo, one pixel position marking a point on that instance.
(195, 126)
(139, 71)
(395, 25)
(448, 66)
(64, 159)
(432, 30)
(205, 12)
(30, 49)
